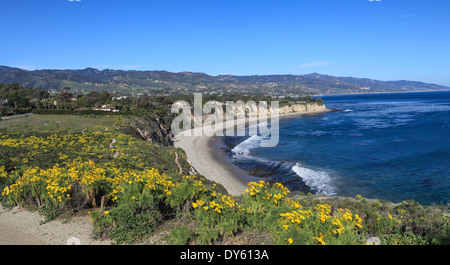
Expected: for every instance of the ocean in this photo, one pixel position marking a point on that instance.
(394, 147)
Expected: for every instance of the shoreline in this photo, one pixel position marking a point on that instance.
(206, 158)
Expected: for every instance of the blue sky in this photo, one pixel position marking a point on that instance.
(385, 40)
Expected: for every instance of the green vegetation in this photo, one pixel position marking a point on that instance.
(135, 190)
(57, 123)
(17, 99)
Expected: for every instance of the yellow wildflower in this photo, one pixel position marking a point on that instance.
(320, 239)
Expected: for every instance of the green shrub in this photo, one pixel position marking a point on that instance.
(127, 223)
(137, 214)
(442, 238)
(180, 236)
(406, 238)
(220, 212)
(260, 198)
(207, 235)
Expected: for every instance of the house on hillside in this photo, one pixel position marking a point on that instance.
(119, 98)
(106, 108)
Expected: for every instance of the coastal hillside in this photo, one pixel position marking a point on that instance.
(168, 83)
(121, 171)
(134, 191)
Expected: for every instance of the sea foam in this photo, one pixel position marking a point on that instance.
(316, 180)
(243, 149)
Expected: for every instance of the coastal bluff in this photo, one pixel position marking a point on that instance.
(284, 109)
(300, 107)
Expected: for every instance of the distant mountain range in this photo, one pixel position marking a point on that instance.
(167, 83)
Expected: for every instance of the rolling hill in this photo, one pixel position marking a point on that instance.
(167, 83)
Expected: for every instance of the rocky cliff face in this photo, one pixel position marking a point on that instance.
(285, 109)
(295, 107)
(301, 108)
(150, 129)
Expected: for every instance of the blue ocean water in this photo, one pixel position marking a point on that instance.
(383, 146)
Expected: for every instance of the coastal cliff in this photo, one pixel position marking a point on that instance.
(290, 108)
(150, 128)
(303, 107)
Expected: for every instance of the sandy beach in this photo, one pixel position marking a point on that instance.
(210, 162)
(206, 157)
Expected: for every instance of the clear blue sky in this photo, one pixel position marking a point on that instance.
(385, 40)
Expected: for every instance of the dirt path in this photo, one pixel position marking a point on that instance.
(21, 227)
(178, 164)
(111, 145)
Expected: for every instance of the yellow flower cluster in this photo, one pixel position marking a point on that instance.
(268, 192)
(119, 159)
(293, 203)
(320, 217)
(217, 204)
(64, 148)
(393, 218)
(197, 183)
(95, 145)
(3, 172)
(323, 211)
(54, 184)
(320, 239)
(198, 203)
(151, 179)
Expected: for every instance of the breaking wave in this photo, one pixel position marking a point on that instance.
(316, 180)
(243, 149)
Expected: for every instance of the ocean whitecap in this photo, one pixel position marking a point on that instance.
(316, 180)
(243, 149)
